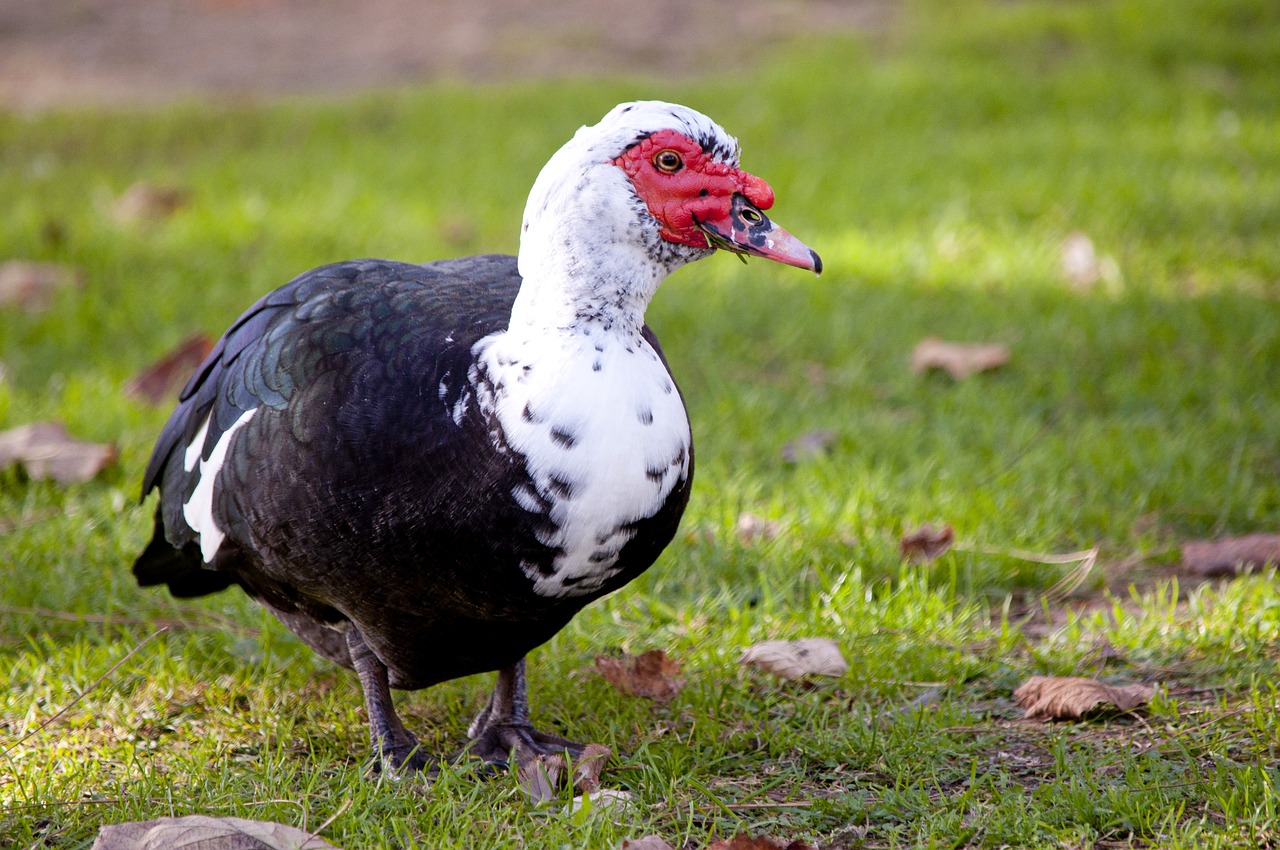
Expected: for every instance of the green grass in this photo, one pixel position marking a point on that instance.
(937, 168)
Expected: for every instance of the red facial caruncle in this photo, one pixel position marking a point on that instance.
(703, 203)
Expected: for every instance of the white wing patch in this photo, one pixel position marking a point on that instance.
(197, 446)
(198, 511)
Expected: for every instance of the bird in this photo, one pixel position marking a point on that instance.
(425, 470)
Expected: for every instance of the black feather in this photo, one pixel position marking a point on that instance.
(352, 493)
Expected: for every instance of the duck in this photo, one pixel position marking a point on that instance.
(424, 471)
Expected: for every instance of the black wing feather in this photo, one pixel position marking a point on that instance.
(365, 310)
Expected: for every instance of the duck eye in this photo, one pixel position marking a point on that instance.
(668, 161)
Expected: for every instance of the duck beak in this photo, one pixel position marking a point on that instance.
(746, 230)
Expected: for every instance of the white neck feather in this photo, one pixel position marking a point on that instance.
(585, 254)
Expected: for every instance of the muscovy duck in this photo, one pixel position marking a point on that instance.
(424, 471)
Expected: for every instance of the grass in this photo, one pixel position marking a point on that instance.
(938, 169)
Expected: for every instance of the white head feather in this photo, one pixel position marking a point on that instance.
(589, 246)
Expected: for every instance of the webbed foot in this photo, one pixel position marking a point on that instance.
(499, 745)
(502, 731)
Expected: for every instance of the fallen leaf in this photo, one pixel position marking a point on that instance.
(31, 286)
(1082, 266)
(794, 659)
(926, 543)
(651, 674)
(957, 359)
(1074, 698)
(1227, 556)
(46, 450)
(601, 800)
(648, 842)
(752, 527)
(742, 841)
(200, 832)
(145, 201)
(539, 775)
(586, 770)
(163, 379)
(808, 446)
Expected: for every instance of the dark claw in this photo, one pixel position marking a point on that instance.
(401, 758)
(495, 745)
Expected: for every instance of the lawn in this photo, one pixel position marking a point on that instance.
(939, 168)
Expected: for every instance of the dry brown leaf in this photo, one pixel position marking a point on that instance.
(163, 379)
(651, 674)
(31, 286)
(957, 359)
(145, 201)
(46, 450)
(924, 544)
(795, 659)
(586, 770)
(1227, 556)
(808, 445)
(539, 775)
(648, 842)
(752, 527)
(1074, 698)
(742, 841)
(200, 832)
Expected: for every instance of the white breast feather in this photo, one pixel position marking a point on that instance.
(605, 437)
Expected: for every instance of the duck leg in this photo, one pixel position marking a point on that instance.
(394, 747)
(502, 728)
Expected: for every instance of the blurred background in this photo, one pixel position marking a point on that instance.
(64, 52)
